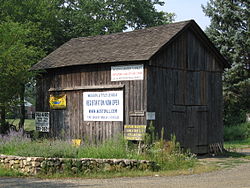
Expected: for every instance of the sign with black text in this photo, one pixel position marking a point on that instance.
(103, 106)
(127, 72)
(42, 121)
(134, 132)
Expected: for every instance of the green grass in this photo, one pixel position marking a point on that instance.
(5, 172)
(29, 124)
(115, 148)
(198, 169)
(171, 159)
(237, 144)
(237, 136)
(233, 146)
(237, 132)
(64, 149)
(167, 155)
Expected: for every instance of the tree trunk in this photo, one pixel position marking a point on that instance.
(22, 108)
(3, 127)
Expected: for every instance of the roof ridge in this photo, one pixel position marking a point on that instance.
(133, 31)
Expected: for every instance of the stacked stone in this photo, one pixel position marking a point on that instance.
(35, 165)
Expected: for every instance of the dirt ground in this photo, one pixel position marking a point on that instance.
(245, 151)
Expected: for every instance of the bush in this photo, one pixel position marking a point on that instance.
(237, 132)
(170, 156)
(234, 115)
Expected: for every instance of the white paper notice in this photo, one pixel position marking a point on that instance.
(103, 106)
(128, 72)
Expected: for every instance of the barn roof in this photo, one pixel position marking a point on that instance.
(136, 45)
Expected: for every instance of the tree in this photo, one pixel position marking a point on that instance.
(40, 15)
(95, 17)
(229, 31)
(16, 57)
(57, 21)
(79, 18)
(53, 22)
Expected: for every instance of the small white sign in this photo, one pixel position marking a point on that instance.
(127, 72)
(103, 106)
(42, 121)
(150, 115)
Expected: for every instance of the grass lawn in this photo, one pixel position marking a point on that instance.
(4, 172)
(197, 169)
(175, 163)
(237, 144)
(29, 124)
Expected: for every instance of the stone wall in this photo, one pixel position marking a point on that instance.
(34, 165)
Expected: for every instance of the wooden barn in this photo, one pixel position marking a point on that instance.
(171, 74)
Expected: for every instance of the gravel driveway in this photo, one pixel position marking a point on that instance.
(237, 177)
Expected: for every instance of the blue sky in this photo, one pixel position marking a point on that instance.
(186, 10)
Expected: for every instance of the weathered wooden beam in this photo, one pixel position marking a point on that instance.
(136, 113)
(87, 87)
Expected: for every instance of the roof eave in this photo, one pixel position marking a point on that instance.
(90, 64)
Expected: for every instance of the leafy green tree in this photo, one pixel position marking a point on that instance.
(94, 17)
(57, 21)
(39, 14)
(229, 30)
(79, 18)
(16, 58)
(50, 23)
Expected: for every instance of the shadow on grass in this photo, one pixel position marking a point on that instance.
(225, 154)
(233, 154)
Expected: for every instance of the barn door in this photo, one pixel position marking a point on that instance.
(191, 97)
(197, 129)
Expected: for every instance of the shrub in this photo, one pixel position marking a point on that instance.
(237, 132)
(169, 155)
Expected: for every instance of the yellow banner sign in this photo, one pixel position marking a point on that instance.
(135, 127)
(134, 132)
(57, 102)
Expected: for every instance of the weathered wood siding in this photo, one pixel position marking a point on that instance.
(69, 122)
(185, 91)
(182, 84)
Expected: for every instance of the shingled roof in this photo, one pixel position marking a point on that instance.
(136, 45)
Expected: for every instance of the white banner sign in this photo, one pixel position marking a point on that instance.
(42, 121)
(103, 106)
(128, 72)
